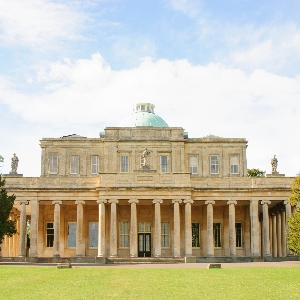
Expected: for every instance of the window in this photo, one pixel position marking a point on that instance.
(53, 164)
(124, 234)
(234, 164)
(72, 234)
(95, 164)
(165, 234)
(217, 234)
(238, 235)
(49, 235)
(194, 164)
(164, 164)
(74, 164)
(195, 235)
(214, 164)
(124, 163)
(93, 234)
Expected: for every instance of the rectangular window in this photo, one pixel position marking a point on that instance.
(194, 164)
(124, 163)
(238, 235)
(164, 164)
(72, 234)
(74, 164)
(95, 164)
(214, 164)
(49, 235)
(124, 234)
(195, 235)
(234, 164)
(217, 234)
(93, 234)
(53, 164)
(165, 234)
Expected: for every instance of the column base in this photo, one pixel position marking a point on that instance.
(56, 256)
(190, 259)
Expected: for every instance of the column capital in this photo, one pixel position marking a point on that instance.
(99, 201)
(23, 202)
(210, 202)
(157, 201)
(133, 200)
(115, 200)
(286, 202)
(57, 202)
(234, 202)
(188, 201)
(176, 201)
(265, 202)
(79, 202)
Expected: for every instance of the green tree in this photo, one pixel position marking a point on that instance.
(1, 160)
(7, 227)
(293, 238)
(256, 173)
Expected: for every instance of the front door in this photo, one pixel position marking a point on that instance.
(144, 240)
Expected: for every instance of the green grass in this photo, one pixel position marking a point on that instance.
(144, 283)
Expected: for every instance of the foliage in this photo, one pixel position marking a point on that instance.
(256, 173)
(7, 227)
(160, 282)
(1, 160)
(293, 238)
(295, 195)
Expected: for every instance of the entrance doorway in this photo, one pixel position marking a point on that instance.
(144, 239)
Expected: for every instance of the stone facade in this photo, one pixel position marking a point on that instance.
(95, 199)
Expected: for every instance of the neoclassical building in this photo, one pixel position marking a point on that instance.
(144, 189)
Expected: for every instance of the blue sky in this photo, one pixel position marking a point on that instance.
(228, 68)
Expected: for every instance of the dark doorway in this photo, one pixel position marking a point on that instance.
(144, 244)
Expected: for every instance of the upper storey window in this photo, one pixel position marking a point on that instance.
(74, 164)
(214, 164)
(234, 164)
(53, 164)
(194, 164)
(95, 164)
(164, 168)
(124, 164)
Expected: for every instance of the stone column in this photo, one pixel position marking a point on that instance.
(101, 228)
(288, 213)
(274, 235)
(210, 228)
(157, 227)
(283, 234)
(56, 228)
(232, 237)
(254, 228)
(176, 248)
(133, 228)
(79, 229)
(188, 227)
(266, 238)
(23, 235)
(279, 242)
(34, 228)
(113, 228)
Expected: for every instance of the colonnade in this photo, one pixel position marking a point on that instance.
(273, 228)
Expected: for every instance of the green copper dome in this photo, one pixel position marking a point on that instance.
(143, 115)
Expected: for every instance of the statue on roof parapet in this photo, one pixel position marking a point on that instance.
(14, 164)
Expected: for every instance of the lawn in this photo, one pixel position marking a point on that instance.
(135, 283)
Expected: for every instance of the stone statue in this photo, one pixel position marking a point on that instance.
(14, 163)
(145, 155)
(274, 163)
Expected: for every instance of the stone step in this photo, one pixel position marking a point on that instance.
(144, 260)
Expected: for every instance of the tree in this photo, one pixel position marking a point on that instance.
(293, 238)
(1, 160)
(256, 173)
(7, 227)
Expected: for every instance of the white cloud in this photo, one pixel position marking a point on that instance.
(38, 23)
(190, 8)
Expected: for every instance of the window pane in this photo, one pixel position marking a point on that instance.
(74, 164)
(124, 234)
(124, 163)
(165, 240)
(195, 235)
(50, 235)
(194, 164)
(217, 234)
(93, 234)
(72, 234)
(214, 164)
(164, 164)
(53, 165)
(238, 234)
(95, 164)
(234, 164)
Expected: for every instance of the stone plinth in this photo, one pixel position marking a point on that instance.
(275, 174)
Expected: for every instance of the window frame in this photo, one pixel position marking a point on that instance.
(217, 238)
(68, 235)
(164, 167)
(239, 241)
(55, 170)
(214, 165)
(232, 166)
(95, 164)
(124, 166)
(95, 234)
(124, 235)
(198, 236)
(193, 165)
(74, 164)
(49, 240)
(165, 235)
